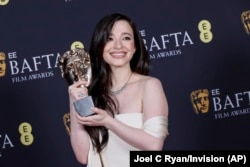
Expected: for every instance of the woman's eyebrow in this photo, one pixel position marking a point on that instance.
(126, 33)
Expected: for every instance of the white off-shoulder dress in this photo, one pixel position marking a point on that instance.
(116, 153)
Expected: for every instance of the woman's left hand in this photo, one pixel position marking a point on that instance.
(100, 118)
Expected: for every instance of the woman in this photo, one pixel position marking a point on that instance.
(131, 109)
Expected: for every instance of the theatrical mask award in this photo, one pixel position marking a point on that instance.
(75, 65)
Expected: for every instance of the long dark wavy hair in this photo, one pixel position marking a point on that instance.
(101, 71)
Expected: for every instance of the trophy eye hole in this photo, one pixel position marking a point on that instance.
(70, 65)
(69, 68)
(87, 60)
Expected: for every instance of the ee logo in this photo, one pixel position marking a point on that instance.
(26, 137)
(76, 44)
(204, 27)
(4, 2)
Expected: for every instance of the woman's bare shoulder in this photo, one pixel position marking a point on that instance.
(147, 80)
(149, 84)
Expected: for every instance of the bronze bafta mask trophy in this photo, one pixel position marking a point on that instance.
(75, 65)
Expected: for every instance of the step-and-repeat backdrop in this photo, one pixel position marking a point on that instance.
(200, 50)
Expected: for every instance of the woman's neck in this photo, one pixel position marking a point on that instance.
(120, 78)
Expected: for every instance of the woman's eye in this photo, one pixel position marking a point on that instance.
(109, 39)
(127, 38)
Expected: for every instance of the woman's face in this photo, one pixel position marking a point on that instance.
(120, 47)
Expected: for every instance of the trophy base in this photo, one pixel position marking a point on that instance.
(83, 106)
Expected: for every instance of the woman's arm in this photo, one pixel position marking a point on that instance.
(78, 136)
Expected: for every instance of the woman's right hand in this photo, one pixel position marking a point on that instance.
(78, 90)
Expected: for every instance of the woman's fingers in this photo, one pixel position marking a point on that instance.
(78, 90)
(97, 119)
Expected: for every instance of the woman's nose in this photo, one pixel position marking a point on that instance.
(118, 44)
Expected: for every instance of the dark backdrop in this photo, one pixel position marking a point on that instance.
(186, 58)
